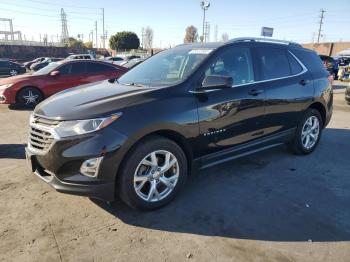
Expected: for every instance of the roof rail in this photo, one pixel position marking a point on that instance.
(267, 40)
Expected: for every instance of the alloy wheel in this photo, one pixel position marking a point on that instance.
(13, 72)
(156, 176)
(310, 132)
(30, 98)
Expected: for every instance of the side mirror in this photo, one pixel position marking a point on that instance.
(216, 82)
(55, 73)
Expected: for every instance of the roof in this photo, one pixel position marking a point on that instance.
(241, 39)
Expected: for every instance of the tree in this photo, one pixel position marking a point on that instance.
(147, 37)
(74, 43)
(88, 45)
(124, 41)
(224, 37)
(191, 35)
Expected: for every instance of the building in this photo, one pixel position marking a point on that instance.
(330, 49)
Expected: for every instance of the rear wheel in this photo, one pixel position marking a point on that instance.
(13, 72)
(308, 132)
(152, 174)
(29, 97)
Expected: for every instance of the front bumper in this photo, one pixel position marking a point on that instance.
(60, 166)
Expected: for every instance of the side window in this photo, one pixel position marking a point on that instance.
(295, 67)
(98, 68)
(72, 68)
(274, 63)
(78, 68)
(87, 57)
(65, 69)
(235, 62)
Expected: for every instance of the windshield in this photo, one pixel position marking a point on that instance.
(166, 68)
(47, 69)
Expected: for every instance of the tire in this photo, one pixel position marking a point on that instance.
(305, 131)
(148, 174)
(29, 97)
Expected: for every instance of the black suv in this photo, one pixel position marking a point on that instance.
(192, 106)
(9, 68)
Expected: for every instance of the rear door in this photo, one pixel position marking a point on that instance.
(96, 71)
(4, 68)
(288, 86)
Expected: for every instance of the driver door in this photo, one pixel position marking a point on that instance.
(71, 75)
(231, 116)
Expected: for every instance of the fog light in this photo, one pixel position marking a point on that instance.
(2, 98)
(91, 166)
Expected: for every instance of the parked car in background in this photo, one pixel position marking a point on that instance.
(29, 90)
(9, 68)
(81, 56)
(36, 60)
(115, 59)
(132, 63)
(330, 64)
(194, 105)
(45, 62)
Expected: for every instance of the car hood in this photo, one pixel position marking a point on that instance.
(16, 79)
(90, 101)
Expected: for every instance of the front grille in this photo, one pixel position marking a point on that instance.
(40, 133)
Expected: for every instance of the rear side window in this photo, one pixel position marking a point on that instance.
(312, 62)
(295, 67)
(273, 62)
(98, 68)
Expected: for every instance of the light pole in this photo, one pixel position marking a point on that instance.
(205, 6)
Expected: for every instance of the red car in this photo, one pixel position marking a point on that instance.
(29, 90)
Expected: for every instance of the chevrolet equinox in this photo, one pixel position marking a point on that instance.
(192, 106)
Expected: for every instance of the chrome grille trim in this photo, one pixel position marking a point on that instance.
(41, 135)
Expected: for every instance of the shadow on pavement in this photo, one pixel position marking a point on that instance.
(15, 151)
(273, 196)
(20, 108)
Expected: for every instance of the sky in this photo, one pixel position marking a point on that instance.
(295, 20)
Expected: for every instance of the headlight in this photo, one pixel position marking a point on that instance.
(80, 127)
(5, 86)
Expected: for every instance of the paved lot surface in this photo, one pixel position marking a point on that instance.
(271, 206)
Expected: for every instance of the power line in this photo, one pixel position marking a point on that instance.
(60, 5)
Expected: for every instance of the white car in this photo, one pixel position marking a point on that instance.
(81, 56)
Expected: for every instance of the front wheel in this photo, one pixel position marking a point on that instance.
(29, 97)
(308, 133)
(152, 174)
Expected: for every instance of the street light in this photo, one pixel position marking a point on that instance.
(205, 6)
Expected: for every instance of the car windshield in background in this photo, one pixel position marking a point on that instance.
(47, 69)
(166, 68)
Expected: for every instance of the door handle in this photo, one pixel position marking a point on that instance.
(303, 82)
(255, 92)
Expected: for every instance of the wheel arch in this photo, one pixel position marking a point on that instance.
(23, 87)
(172, 135)
(321, 109)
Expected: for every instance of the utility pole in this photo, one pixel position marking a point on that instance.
(205, 6)
(103, 27)
(96, 33)
(321, 23)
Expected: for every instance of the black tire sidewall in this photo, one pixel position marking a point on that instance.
(126, 176)
(20, 100)
(298, 141)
